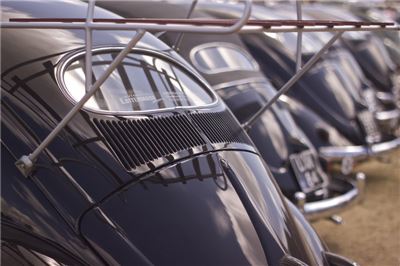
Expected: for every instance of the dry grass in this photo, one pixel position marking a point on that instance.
(371, 231)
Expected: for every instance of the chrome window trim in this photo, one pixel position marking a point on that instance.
(67, 59)
(221, 70)
(224, 85)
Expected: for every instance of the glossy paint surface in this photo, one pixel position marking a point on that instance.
(200, 203)
(368, 49)
(180, 216)
(236, 78)
(373, 58)
(322, 89)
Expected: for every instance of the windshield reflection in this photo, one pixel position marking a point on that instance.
(140, 82)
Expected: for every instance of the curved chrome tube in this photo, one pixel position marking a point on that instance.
(337, 153)
(241, 22)
(385, 97)
(388, 120)
(331, 206)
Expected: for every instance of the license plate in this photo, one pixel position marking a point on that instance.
(307, 171)
(368, 123)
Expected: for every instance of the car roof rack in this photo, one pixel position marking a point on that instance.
(209, 26)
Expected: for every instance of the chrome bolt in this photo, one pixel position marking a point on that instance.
(300, 198)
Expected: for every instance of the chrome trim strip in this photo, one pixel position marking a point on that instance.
(385, 97)
(68, 58)
(238, 82)
(384, 116)
(379, 148)
(337, 153)
(328, 207)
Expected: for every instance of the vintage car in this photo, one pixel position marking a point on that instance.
(324, 89)
(370, 52)
(391, 40)
(234, 74)
(154, 169)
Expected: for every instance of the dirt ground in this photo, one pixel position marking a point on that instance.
(371, 231)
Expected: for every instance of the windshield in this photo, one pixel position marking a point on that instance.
(142, 82)
(219, 57)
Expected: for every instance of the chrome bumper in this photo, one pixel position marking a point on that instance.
(329, 207)
(386, 97)
(337, 153)
(388, 120)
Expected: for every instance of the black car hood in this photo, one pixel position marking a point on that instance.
(275, 135)
(390, 39)
(373, 58)
(367, 48)
(83, 180)
(321, 89)
(185, 213)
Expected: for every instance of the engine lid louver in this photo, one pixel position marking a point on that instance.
(220, 127)
(139, 141)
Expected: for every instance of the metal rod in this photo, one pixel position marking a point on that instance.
(88, 45)
(292, 81)
(195, 29)
(26, 162)
(210, 22)
(299, 37)
(180, 36)
(138, 26)
(258, 29)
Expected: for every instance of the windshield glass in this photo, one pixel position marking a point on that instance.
(213, 58)
(142, 82)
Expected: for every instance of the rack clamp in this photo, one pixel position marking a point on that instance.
(25, 165)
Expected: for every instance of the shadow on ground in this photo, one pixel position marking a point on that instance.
(371, 231)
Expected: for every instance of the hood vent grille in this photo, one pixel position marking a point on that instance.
(140, 141)
(220, 127)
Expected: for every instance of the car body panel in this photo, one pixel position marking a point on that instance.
(80, 172)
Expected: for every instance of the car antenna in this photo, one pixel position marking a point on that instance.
(179, 39)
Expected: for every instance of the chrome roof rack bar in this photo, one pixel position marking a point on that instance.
(299, 36)
(179, 39)
(320, 28)
(27, 162)
(131, 24)
(88, 46)
(208, 26)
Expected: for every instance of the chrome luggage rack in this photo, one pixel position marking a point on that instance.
(209, 26)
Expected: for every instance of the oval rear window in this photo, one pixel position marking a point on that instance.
(213, 58)
(142, 82)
